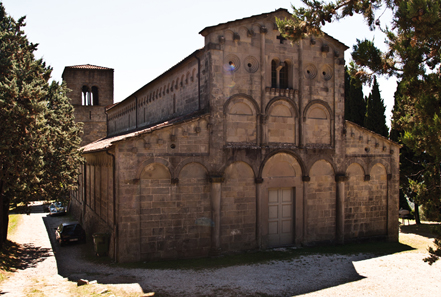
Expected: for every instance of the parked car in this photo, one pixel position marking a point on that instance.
(70, 232)
(57, 208)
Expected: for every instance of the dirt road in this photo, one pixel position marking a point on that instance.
(53, 271)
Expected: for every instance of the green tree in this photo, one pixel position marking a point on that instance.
(37, 125)
(355, 104)
(413, 40)
(375, 119)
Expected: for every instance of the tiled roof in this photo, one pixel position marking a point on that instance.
(105, 143)
(88, 66)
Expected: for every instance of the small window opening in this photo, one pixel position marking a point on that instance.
(85, 96)
(279, 74)
(95, 96)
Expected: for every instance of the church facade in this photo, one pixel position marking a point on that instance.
(242, 145)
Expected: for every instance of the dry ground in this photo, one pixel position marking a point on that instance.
(45, 269)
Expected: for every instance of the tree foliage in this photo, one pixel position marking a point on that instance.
(375, 119)
(355, 104)
(413, 39)
(39, 139)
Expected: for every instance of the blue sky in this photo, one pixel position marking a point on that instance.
(140, 39)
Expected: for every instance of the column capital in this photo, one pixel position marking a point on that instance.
(306, 178)
(341, 177)
(216, 178)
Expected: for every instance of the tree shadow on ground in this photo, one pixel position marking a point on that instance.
(423, 229)
(78, 261)
(33, 208)
(14, 256)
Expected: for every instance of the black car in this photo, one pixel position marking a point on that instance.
(70, 232)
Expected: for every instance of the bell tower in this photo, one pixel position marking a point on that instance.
(92, 92)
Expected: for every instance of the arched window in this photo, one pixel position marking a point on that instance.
(273, 74)
(85, 96)
(279, 74)
(283, 77)
(94, 100)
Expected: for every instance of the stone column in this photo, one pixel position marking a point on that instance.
(259, 182)
(340, 179)
(305, 180)
(216, 196)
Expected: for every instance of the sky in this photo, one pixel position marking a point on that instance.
(141, 39)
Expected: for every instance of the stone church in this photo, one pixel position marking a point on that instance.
(242, 145)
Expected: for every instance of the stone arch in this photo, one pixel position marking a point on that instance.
(374, 206)
(243, 33)
(238, 207)
(360, 161)
(281, 164)
(277, 152)
(237, 170)
(256, 27)
(314, 159)
(383, 162)
(155, 171)
(280, 122)
(356, 201)
(322, 167)
(240, 123)
(355, 169)
(317, 102)
(228, 35)
(146, 163)
(242, 97)
(193, 170)
(227, 164)
(318, 124)
(321, 203)
(184, 163)
(378, 171)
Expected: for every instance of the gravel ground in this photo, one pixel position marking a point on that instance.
(51, 268)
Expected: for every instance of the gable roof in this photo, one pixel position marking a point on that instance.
(373, 133)
(209, 29)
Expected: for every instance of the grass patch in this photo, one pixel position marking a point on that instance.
(261, 257)
(9, 252)
(14, 221)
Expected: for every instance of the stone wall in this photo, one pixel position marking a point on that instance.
(178, 92)
(238, 208)
(92, 116)
(321, 204)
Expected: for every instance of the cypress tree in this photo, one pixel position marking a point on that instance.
(355, 104)
(375, 119)
(39, 140)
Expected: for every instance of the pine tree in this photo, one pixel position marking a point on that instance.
(375, 119)
(37, 125)
(413, 40)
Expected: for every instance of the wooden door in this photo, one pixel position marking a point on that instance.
(280, 216)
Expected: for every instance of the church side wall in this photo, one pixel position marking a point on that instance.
(93, 203)
(164, 212)
(178, 93)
